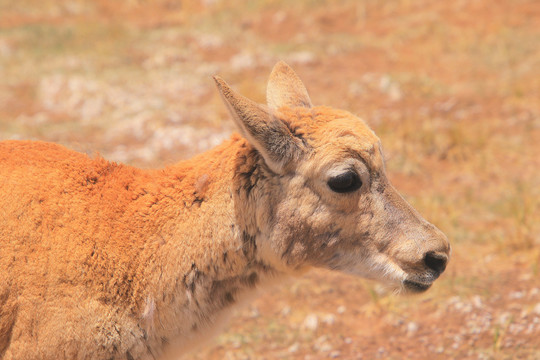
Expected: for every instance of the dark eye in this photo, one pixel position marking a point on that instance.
(347, 182)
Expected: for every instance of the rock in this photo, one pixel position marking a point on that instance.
(294, 348)
(504, 318)
(329, 319)
(311, 322)
(302, 58)
(243, 61)
(326, 347)
(254, 313)
(412, 328)
(286, 311)
(335, 354)
(516, 295)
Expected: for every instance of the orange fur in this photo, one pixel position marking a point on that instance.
(104, 260)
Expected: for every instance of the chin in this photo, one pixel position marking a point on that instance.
(415, 287)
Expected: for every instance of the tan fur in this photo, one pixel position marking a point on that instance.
(100, 260)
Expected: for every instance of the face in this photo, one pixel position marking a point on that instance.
(328, 202)
(338, 210)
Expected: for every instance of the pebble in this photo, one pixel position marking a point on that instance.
(504, 318)
(412, 328)
(286, 311)
(329, 319)
(477, 301)
(311, 322)
(517, 295)
(326, 347)
(254, 313)
(294, 348)
(335, 354)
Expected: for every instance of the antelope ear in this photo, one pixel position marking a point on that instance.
(286, 89)
(269, 135)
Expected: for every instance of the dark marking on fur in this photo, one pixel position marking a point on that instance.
(91, 180)
(247, 171)
(251, 280)
(229, 297)
(164, 341)
(144, 333)
(191, 278)
(10, 310)
(249, 246)
(197, 200)
(149, 350)
(296, 131)
(289, 248)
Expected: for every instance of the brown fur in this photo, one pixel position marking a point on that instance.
(105, 261)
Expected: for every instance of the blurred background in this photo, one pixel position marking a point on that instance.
(451, 87)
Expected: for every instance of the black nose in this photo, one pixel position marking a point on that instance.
(436, 261)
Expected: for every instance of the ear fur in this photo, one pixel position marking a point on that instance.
(286, 89)
(265, 132)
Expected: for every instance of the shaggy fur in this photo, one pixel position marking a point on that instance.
(100, 260)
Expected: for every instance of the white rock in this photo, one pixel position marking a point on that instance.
(326, 347)
(302, 58)
(517, 295)
(477, 301)
(335, 354)
(294, 348)
(329, 319)
(243, 61)
(311, 322)
(412, 328)
(286, 311)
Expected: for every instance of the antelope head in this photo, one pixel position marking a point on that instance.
(326, 199)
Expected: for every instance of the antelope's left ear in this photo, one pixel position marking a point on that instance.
(268, 134)
(286, 89)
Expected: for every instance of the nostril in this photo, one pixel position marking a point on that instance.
(436, 262)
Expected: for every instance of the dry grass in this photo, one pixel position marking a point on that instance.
(452, 88)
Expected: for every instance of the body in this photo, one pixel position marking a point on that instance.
(104, 260)
(108, 275)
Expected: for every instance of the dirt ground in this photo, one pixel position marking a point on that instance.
(451, 87)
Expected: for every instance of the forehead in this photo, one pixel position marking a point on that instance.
(335, 136)
(324, 126)
(341, 126)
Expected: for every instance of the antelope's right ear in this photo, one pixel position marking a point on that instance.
(269, 135)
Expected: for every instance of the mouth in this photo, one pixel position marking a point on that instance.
(416, 287)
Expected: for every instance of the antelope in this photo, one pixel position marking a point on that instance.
(101, 260)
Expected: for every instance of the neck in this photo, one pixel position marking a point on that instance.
(204, 257)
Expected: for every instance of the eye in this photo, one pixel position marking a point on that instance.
(347, 182)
